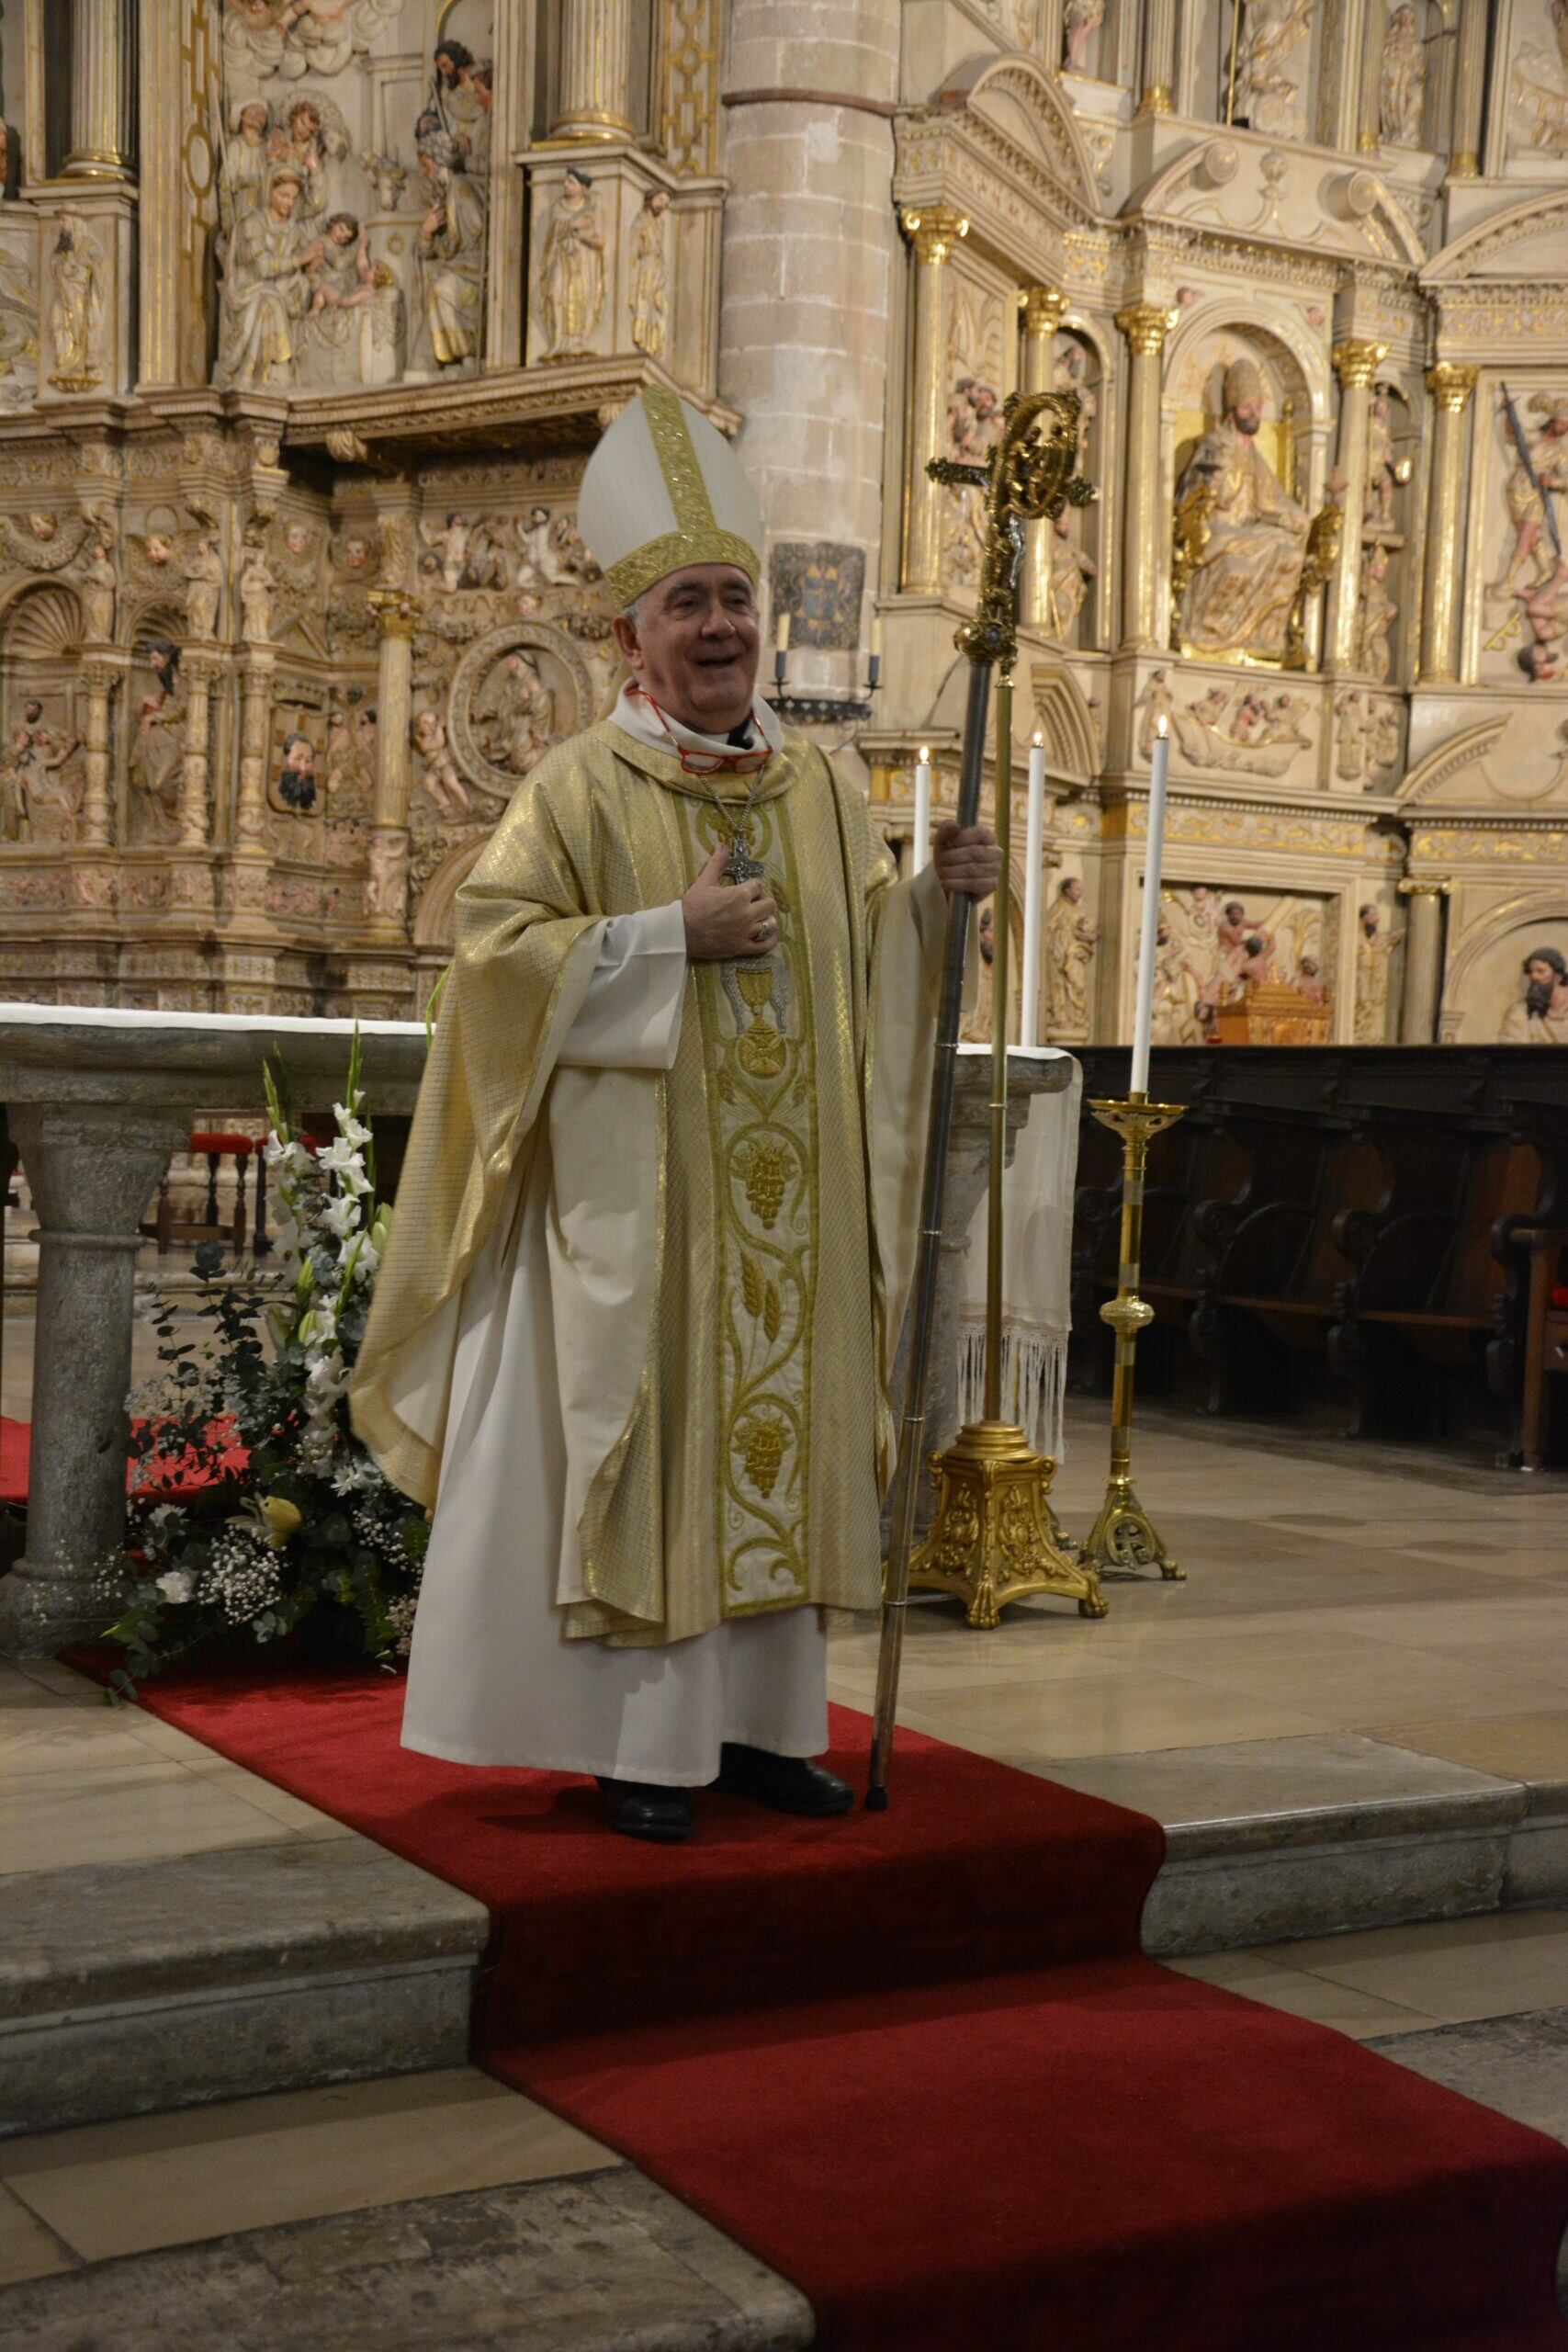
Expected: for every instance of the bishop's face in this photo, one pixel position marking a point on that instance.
(693, 647)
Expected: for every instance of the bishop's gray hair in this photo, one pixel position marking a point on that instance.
(633, 612)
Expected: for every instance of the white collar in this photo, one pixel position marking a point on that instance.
(633, 716)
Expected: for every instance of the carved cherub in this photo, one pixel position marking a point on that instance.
(440, 777)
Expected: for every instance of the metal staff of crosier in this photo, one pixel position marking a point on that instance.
(1028, 477)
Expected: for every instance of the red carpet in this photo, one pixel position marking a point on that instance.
(915, 2062)
(176, 1477)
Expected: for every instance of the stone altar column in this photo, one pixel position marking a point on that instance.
(103, 56)
(196, 785)
(396, 617)
(934, 234)
(1355, 364)
(92, 1168)
(596, 71)
(1470, 89)
(255, 726)
(1042, 307)
(1148, 525)
(99, 679)
(1450, 387)
(1422, 999)
(1159, 57)
(1369, 96)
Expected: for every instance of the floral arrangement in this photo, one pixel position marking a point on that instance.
(255, 1514)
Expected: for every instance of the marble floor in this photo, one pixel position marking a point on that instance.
(1341, 1602)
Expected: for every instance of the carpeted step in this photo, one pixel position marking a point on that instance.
(135, 1986)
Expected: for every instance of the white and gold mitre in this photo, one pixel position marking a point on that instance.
(664, 488)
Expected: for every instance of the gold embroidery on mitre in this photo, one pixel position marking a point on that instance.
(696, 537)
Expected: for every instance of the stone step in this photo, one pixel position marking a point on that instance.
(136, 1987)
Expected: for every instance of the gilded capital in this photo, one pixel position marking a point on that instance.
(1424, 885)
(1356, 362)
(1145, 326)
(1452, 386)
(1042, 308)
(933, 230)
(397, 613)
(1155, 99)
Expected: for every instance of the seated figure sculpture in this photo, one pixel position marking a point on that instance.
(1247, 534)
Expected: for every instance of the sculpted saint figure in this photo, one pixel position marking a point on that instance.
(1238, 598)
(99, 587)
(1081, 20)
(204, 587)
(1271, 66)
(630, 1337)
(257, 581)
(517, 725)
(571, 268)
(1072, 569)
(157, 756)
(650, 287)
(1403, 79)
(242, 177)
(452, 245)
(37, 800)
(1376, 612)
(1374, 951)
(267, 288)
(1540, 1016)
(1069, 950)
(75, 308)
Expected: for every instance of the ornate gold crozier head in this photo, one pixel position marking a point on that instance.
(1028, 477)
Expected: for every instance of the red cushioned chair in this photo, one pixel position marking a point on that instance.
(166, 1228)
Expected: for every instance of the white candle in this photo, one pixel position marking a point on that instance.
(1035, 825)
(1143, 1017)
(923, 846)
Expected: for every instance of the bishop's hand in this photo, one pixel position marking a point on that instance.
(727, 921)
(966, 859)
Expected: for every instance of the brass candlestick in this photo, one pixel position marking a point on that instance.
(995, 1538)
(1124, 1536)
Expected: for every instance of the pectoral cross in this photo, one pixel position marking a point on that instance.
(742, 865)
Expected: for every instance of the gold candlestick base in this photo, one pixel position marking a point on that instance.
(1124, 1536)
(994, 1537)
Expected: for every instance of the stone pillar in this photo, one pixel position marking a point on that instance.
(255, 728)
(1042, 307)
(809, 253)
(103, 65)
(1159, 57)
(1470, 90)
(196, 782)
(91, 1168)
(596, 71)
(1450, 387)
(1422, 999)
(1369, 104)
(1355, 364)
(396, 617)
(99, 679)
(1146, 529)
(934, 234)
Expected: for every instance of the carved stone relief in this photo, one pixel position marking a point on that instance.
(1525, 598)
(1213, 943)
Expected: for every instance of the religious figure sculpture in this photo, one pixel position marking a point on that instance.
(439, 776)
(1403, 87)
(572, 269)
(97, 587)
(1539, 471)
(1375, 952)
(452, 248)
(303, 139)
(1072, 569)
(1179, 993)
(460, 98)
(1270, 66)
(515, 727)
(1538, 97)
(1376, 612)
(242, 173)
(267, 288)
(297, 777)
(75, 306)
(649, 289)
(157, 754)
(1539, 1017)
(1081, 20)
(1069, 944)
(261, 37)
(257, 584)
(37, 803)
(1241, 537)
(386, 878)
(1385, 472)
(204, 588)
(1156, 702)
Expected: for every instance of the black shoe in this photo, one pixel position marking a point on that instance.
(638, 1809)
(785, 1784)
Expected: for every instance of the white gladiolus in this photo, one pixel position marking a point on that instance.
(341, 1216)
(352, 1130)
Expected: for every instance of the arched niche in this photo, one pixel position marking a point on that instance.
(433, 921)
(1078, 364)
(1485, 994)
(41, 720)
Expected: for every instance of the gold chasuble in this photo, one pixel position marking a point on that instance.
(729, 1239)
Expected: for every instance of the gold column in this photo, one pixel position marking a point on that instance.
(1450, 387)
(1041, 308)
(1368, 109)
(1159, 57)
(1470, 89)
(396, 617)
(933, 234)
(1421, 1001)
(596, 71)
(1355, 364)
(1145, 326)
(99, 679)
(102, 56)
(196, 777)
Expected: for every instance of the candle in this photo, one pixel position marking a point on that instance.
(922, 850)
(1035, 825)
(1143, 1017)
(781, 634)
(873, 672)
